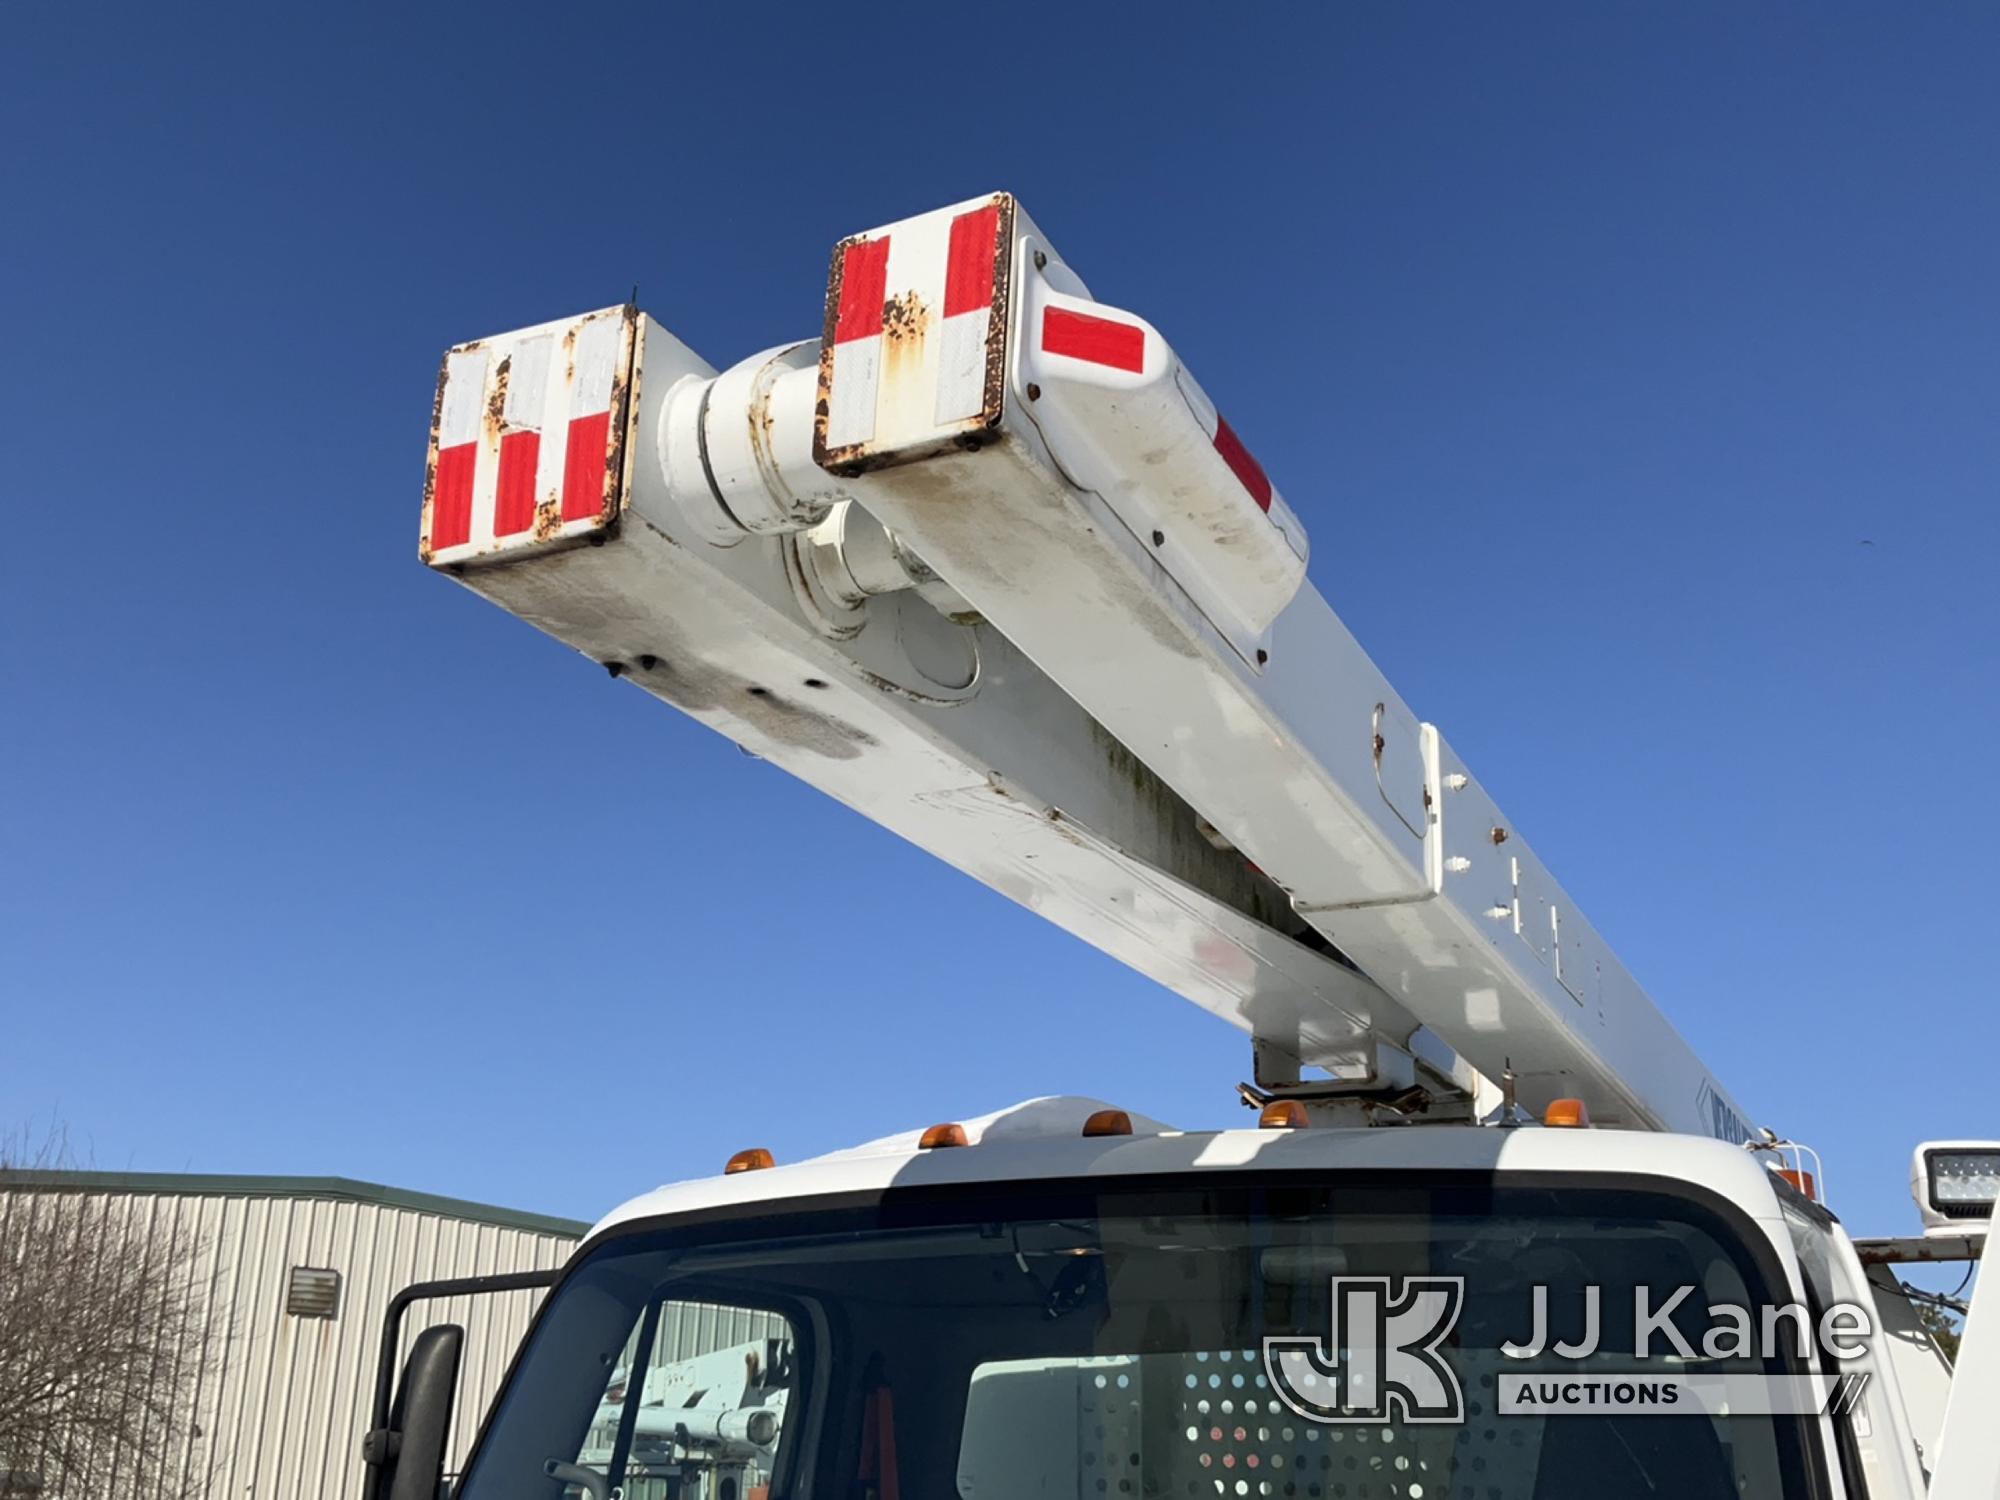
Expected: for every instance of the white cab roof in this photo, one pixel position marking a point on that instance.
(1040, 1140)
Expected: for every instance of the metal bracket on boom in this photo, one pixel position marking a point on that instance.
(1373, 1083)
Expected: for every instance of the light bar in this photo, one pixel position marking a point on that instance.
(1957, 1183)
(1965, 1182)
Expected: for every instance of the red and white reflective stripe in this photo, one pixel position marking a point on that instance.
(857, 343)
(911, 332)
(1094, 340)
(527, 371)
(1246, 468)
(1119, 345)
(587, 444)
(968, 314)
(1228, 446)
(460, 408)
(524, 436)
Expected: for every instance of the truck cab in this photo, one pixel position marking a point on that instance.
(1061, 1301)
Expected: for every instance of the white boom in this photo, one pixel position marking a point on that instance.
(984, 563)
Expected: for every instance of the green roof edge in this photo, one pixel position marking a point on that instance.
(224, 1185)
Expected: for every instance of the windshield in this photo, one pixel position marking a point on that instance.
(1137, 1341)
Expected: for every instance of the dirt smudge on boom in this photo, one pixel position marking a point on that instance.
(842, 461)
(548, 516)
(431, 464)
(704, 690)
(672, 669)
(496, 402)
(997, 332)
(905, 321)
(624, 419)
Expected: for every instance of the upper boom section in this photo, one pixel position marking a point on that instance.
(987, 564)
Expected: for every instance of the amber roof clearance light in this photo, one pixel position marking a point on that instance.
(1802, 1180)
(1283, 1114)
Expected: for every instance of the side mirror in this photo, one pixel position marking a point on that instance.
(407, 1456)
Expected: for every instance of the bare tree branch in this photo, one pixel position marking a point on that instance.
(101, 1332)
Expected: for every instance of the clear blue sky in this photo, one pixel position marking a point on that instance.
(1633, 367)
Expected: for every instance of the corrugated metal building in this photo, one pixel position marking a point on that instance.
(288, 1355)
